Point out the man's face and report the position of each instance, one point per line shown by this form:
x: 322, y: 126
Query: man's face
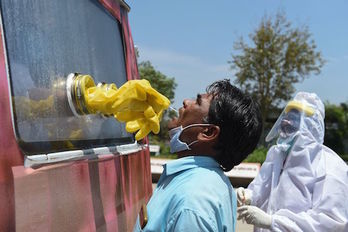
x: 192, y: 112
x: 290, y: 123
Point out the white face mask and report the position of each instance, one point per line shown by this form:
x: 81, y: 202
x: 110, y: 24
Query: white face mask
x: 176, y: 145
x: 285, y: 143
x: 289, y: 129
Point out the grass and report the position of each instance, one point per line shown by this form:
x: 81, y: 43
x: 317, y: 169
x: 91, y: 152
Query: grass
x: 258, y: 156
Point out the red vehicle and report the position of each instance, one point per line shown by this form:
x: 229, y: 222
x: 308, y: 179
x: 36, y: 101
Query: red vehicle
x: 60, y: 171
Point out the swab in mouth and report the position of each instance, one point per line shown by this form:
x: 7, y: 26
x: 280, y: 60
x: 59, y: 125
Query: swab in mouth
x: 173, y: 109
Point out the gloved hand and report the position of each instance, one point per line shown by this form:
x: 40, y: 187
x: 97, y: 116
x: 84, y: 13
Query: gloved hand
x: 243, y: 196
x: 255, y: 216
x: 143, y: 122
x: 136, y: 103
x: 140, y: 106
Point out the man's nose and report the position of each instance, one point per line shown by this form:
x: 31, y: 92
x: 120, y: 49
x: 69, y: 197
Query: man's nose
x: 186, y: 102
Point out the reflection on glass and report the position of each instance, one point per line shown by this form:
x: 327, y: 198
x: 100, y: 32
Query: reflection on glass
x: 46, y: 42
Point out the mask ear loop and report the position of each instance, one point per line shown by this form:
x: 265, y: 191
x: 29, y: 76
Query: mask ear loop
x: 193, y: 142
x: 197, y: 124
x: 193, y: 125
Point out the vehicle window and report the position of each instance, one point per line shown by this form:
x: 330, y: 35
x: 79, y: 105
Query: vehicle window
x: 43, y: 46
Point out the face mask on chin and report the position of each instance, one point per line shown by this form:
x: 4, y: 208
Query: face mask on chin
x: 176, y: 145
x: 285, y: 143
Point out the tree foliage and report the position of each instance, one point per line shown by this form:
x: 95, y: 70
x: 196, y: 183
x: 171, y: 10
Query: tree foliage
x: 336, y: 127
x: 163, y: 84
x: 279, y: 57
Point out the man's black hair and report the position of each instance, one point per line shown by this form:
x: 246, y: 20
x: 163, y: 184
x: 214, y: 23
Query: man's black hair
x: 239, y: 119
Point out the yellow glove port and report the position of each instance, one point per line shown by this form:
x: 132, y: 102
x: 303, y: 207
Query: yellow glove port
x: 136, y: 103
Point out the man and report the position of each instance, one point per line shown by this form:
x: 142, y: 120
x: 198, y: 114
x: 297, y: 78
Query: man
x: 213, y: 133
x: 302, y: 185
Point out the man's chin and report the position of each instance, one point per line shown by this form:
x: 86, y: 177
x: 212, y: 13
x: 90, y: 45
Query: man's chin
x: 173, y: 123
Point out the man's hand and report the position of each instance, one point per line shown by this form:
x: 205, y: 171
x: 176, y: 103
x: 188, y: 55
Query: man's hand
x: 255, y: 216
x: 243, y: 196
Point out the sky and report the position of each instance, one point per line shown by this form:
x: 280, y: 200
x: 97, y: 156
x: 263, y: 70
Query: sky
x: 192, y: 40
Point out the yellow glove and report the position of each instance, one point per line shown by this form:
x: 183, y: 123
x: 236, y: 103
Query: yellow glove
x: 141, y: 107
x: 143, y: 123
x: 99, y: 99
x: 135, y: 102
x: 31, y: 108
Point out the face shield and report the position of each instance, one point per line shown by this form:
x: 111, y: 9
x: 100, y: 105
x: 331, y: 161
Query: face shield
x: 290, y: 121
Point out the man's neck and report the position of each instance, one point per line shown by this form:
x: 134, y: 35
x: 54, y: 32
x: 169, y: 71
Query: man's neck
x: 192, y: 153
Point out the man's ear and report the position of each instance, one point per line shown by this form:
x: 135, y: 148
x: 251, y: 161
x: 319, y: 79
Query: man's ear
x: 210, y: 133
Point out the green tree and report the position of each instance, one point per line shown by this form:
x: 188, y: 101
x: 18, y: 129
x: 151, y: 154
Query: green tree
x: 279, y: 57
x: 336, y: 126
x: 163, y: 84
x: 166, y: 86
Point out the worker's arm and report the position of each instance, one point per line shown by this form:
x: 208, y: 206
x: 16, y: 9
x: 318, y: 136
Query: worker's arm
x: 329, y: 211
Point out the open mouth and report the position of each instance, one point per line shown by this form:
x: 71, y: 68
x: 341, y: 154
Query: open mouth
x: 176, y: 120
x: 288, y: 127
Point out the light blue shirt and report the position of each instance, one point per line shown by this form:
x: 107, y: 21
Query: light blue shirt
x: 192, y: 194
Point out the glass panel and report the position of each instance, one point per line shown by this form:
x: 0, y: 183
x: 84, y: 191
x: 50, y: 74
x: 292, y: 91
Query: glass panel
x: 46, y: 40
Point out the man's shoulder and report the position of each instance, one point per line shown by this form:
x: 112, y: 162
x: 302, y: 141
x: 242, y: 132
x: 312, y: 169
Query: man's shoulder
x: 205, y: 176
x: 199, y: 194
x: 201, y: 183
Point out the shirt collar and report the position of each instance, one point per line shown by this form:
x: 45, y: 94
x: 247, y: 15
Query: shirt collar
x: 189, y: 162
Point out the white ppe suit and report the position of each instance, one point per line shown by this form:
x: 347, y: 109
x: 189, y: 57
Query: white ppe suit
x: 304, y: 188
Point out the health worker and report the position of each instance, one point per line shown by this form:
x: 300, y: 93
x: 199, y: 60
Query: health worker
x: 302, y: 185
